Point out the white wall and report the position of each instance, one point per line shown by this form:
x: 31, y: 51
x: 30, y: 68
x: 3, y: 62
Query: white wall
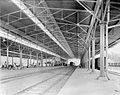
x: 76, y: 61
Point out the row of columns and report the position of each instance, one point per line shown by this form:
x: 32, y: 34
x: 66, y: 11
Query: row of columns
x: 91, y: 55
x: 29, y: 58
x: 20, y: 50
x: 37, y: 58
x: 103, y: 48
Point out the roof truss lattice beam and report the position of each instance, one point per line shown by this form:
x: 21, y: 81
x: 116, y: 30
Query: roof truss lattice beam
x: 96, y: 10
x: 14, y: 38
x: 26, y: 10
x: 87, y: 8
x: 92, y: 1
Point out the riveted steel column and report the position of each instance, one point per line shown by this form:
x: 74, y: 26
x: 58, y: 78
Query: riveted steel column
x: 102, y: 31
x: 7, y: 62
x: 93, y: 54
x: 37, y: 59
x: 46, y: 59
x: 12, y: 60
x: 30, y: 57
x: 49, y: 62
x: 108, y: 18
x: 41, y: 59
x: 21, y: 58
x: 28, y: 62
x: 89, y: 63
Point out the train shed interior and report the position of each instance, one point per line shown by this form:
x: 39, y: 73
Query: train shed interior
x: 59, y: 47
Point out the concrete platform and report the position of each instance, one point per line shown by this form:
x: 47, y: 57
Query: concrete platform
x: 34, y: 81
x: 82, y: 82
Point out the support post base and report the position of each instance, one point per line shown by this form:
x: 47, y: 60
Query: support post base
x: 105, y: 77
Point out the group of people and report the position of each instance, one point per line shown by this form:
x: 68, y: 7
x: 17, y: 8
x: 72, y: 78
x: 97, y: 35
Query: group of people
x: 16, y: 66
x: 10, y: 66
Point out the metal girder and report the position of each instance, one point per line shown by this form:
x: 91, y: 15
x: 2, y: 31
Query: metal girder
x: 88, y: 8
x: 6, y: 34
x: 31, y: 34
x: 59, y: 9
x: 113, y: 26
x: 83, y: 25
x: 77, y: 10
x: 114, y: 20
x: 19, y: 53
x: 81, y: 38
x: 68, y: 15
x: 11, y: 28
x: 84, y: 19
x: 96, y: 9
x: 85, y: 6
x: 115, y: 7
x: 25, y: 9
x: 113, y: 2
x: 105, y: 10
x: 83, y: 30
x: 81, y: 44
x: 91, y: 1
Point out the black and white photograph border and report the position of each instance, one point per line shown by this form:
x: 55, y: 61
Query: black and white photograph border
x: 59, y: 47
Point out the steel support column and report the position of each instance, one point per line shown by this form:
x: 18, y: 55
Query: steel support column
x: 50, y: 62
x: 102, y: 32
x: 54, y: 61
x: 41, y: 59
x: 46, y: 59
x: 21, y: 58
x: 93, y: 54
x: 30, y: 57
x: 37, y: 59
x: 108, y: 13
x: 89, y: 62
x: 28, y: 62
x: 108, y: 18
x: 12, y: 60
x: 7, y: 61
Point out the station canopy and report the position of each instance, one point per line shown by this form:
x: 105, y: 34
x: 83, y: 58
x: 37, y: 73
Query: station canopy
x: 61, y: 28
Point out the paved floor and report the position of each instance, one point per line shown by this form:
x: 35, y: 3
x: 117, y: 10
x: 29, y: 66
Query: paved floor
x: 82, y: 82
x: 8, y: 73
x: 34, y: 81
x: 51, y: 80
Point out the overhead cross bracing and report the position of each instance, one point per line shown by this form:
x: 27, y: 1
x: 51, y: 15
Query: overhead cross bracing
x: 71, y: 19
x: 56, y: 35
x: 59, y: 19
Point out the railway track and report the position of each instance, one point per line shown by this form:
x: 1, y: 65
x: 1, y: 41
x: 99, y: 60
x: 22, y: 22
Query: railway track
x: 114, y: 73
x: 16, y: 77
x: 51, y: 85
